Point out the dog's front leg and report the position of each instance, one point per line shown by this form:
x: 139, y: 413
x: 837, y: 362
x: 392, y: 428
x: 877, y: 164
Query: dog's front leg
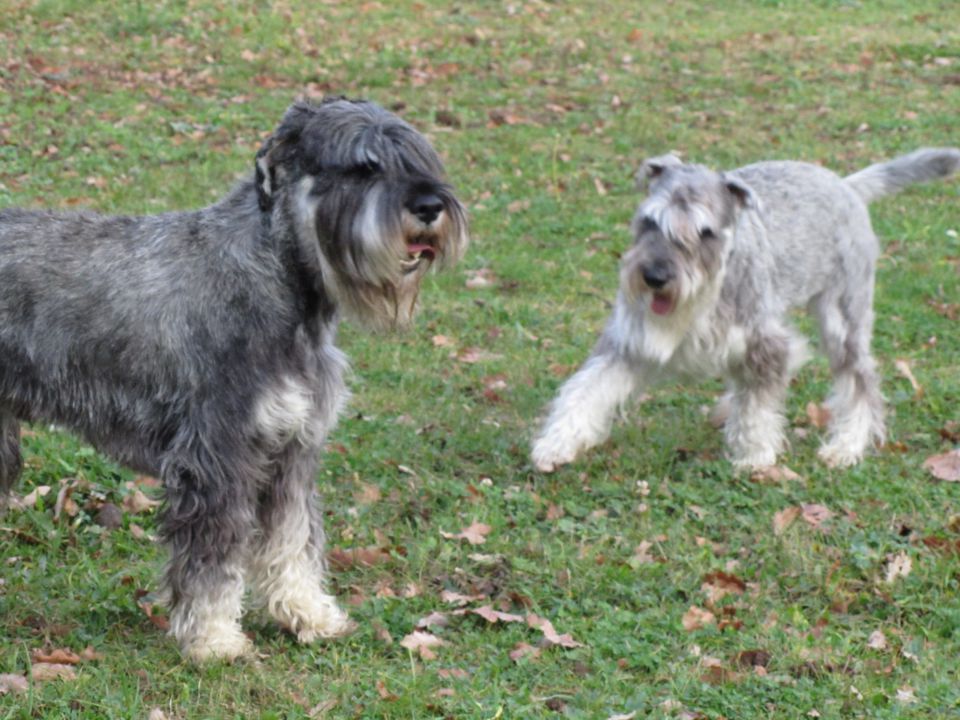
x: 755, y: 426
x: 207, y: 522
x: 581, y: 415
x: 287, y: 563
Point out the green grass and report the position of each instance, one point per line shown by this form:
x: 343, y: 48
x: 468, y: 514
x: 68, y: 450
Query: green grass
x: 138, y: 107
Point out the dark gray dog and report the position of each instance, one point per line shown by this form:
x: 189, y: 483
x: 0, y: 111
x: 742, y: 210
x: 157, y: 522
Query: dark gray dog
x: 718, y: 261
x: 199, y: 347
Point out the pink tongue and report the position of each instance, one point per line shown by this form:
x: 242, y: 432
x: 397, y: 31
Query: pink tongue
x: 423, y: 249
x: 661, y: 304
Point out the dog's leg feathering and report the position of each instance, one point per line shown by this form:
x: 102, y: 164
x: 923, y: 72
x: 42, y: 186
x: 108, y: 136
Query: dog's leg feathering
x: 207, y: 522
x: 287, y: 565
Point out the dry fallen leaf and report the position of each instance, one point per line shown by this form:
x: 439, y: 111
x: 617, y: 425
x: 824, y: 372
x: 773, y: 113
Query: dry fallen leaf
x: 10, y: 683
x: 482, y: 278
x: 52, y: 671
x: 60, y: 656
x: 491, y: 615
x: 522, y: 650
x: 455, y: 598
x: 877, y: 640
x: 641, y: 555
x: 773, y: 473
x: 818, y: 414
x: 717, y: 585
x: 550, y: 633
x: 422, y: 642
x: 906, y: 695
x: 443, y: 341
x: 815, y: 514
x: 475, y: 534
x: 898, y: 566
x: 697, y: 618
x: 345, y: 558
x: 903, y: 367
x: 434, y: 619
x: 784, y: 519
x: 137, y: 502
x: 945, y: 466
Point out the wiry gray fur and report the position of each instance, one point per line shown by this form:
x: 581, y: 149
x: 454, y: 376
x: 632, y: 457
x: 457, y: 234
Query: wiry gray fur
x: 199, y: 347
x: 717, y: 262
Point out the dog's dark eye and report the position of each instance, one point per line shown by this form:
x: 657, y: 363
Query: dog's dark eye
x: 707, y: 234
x: 648, y: 225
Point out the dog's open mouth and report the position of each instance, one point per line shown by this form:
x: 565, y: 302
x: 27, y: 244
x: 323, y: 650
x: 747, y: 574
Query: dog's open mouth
x: 661, y: 304
x: 417, y: 252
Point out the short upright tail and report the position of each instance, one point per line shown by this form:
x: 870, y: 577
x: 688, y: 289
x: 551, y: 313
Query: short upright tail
x: 894, y: 175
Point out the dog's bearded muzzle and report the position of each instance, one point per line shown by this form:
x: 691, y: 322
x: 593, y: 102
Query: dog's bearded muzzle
x: 650, y: 280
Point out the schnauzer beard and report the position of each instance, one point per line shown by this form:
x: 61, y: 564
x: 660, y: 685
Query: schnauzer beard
x: 694, y: 292
x: 368, y: 280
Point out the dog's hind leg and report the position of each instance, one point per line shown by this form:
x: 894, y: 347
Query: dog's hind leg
x: 287, y: 567
x: 11, y: 462
x: 855, y: 402
x: 207, y: 523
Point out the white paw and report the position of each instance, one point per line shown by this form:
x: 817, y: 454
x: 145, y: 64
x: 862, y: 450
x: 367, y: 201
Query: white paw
x: 224, y: 644
x: 548, y: 455
x: 755, y: 460
x: 836, y: 454
x: 314, y: 617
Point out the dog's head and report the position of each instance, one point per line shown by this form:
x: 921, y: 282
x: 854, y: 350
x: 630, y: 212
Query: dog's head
x: 366, y: 197
x: 682, y: 232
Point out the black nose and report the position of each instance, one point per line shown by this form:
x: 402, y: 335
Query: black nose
x: 426, y: 207
x: 657, y: 275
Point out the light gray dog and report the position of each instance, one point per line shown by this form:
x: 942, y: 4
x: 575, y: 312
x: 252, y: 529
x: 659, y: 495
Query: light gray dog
x: 717, y: 262
x: 199, y: 347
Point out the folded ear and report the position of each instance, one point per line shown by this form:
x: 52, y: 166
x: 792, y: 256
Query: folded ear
x: 742, y: 193
x: 654, y: 167
x: 277, y: 150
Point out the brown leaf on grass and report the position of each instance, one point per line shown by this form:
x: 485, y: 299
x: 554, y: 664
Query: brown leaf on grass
x: 10, y: 683
x: 773, y: 474
x: 434, y: 619
x: 549, y: 632
x: 717, y: 585
x: 903, y: 367
x: 455, y: 598
x: 782, y: 519
x: 42, y: 671
x: 60, y: 656
x: 753, y: 658
x: 475, y: 534
x: 442, y: 341
x: 480, y: 279
x: 422, y: 643
x: 697, y: 618
x: 641, y: 555
x: 818, y: 414
x: 624, y: 716
x: 66, y: 504
x: 368, y: 494
x: 30, y: 499
x: 951, y: 311
x: 815, y: 515
x: 137, y: 502
x: 345, y: 558
x: 158, y: 620
x: 456, y: 673
x: 473, y: 355
x: 898, y: 565
x: 945, y: 466
x: 877, y: 640
x: 382, y: 691
x: 522, y: 650
x: 492, y: 616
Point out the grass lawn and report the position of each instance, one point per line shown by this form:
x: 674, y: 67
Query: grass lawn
x: 683, y: 589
